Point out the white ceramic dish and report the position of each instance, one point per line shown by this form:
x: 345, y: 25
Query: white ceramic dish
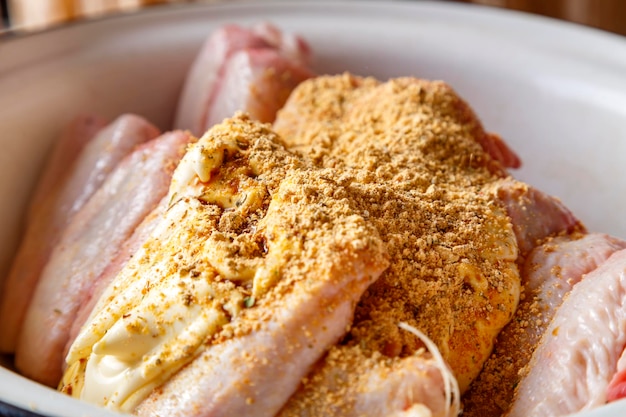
x: 555, y: 91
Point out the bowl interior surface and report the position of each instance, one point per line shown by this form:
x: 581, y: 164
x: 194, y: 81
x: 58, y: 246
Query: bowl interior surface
x: 556, y: 92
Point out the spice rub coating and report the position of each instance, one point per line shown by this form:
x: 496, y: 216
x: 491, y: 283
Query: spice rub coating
x: 416, y: 150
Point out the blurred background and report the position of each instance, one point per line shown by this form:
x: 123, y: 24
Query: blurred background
x: 609, y: 15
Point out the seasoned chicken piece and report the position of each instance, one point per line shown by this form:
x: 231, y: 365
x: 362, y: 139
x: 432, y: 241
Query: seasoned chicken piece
x: 253, y: 272
x: 50, y: 214
x: 89, y: 243
x: 578, y: 354
x: 422, y: 167
x: 362, y: 386
x: 241, y: 69
x: 257, y: 76
x: 549, y: 273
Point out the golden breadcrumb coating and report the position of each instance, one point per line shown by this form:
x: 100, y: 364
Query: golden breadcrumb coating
x: 421, y: 171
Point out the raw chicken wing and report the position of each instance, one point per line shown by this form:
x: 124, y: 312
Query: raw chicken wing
x: 577, y: 356
x: 250, y: 276
x: 89, y: 243
x: 263, y: 55
x: 548, y: 275
x: 52, y: 212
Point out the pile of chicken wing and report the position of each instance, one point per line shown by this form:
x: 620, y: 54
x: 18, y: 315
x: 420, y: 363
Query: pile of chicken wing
x: 309, y: 245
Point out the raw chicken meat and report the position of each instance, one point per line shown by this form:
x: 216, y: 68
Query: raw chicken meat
x: 534, y: 214
x: 548, y: 274
x: 499, y: 150
x: 251, y: 275
x: 53, y: 209
x: 617, y: 386
x: 257, y: 81
x: 244, y: 59
x: 89, y: 243
x: 577, y: 356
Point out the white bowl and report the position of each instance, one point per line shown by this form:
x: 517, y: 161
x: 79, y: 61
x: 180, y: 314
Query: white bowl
x: 555, y: 91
